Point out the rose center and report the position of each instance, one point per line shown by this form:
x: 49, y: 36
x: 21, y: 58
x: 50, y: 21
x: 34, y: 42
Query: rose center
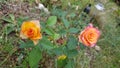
x: 91, y: 37
x: 30, y: 32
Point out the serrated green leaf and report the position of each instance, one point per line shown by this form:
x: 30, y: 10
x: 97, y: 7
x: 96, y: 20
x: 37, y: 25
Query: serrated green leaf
x: 58, y: 50
x: 69, y: 64
x: 46, y: 44
x: 62, y: 32
x: 81, y: 46
x: 35, y: 56
x: 26, y: 44
x: 43, y: 25
x: 58, y: 12
x: 65, y: 22
x: 72, y: 43
x: 72, y: 53
x: 51, y: 21
x: 49, y: 31
x: 73, y: 30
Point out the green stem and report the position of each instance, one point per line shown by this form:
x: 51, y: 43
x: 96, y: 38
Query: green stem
x: 55, y: 63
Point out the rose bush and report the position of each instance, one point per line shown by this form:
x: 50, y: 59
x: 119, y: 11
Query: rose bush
x: 58, y: 41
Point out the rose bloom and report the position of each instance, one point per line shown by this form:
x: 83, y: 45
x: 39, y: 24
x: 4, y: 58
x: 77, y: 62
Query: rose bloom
x: 31, y: 30
x: 89, y: 36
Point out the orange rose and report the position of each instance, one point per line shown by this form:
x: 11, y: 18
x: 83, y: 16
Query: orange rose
x: 89, y: 36
x: 31, y: 30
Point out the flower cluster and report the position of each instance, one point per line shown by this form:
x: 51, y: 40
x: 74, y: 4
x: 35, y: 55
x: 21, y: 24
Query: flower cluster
x: 32, y: 30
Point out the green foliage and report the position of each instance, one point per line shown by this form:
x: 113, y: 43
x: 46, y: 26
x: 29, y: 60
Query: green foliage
x: 61, y: 63
x: 10, y: 19
x: 73, y: 30
x: 27, y: 44
x: 66, y: 22
x: 70, y: 64
x: 46, y: 44
x: 72, y: 53
x: 35, y: 56
x: 58, y: 50
x: 51, y: 21
x: 9, y: 28
x: 49, y: 31
x: 72, y: 43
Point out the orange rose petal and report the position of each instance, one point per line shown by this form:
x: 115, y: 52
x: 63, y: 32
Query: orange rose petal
x: 84, y: 38
x: 23, y: 36
x: 37, y: 23
x: 38, y: 37
x: 85, y: 42
x: 91, y: 36
x: 90, y: 39
x: 35, y: 42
